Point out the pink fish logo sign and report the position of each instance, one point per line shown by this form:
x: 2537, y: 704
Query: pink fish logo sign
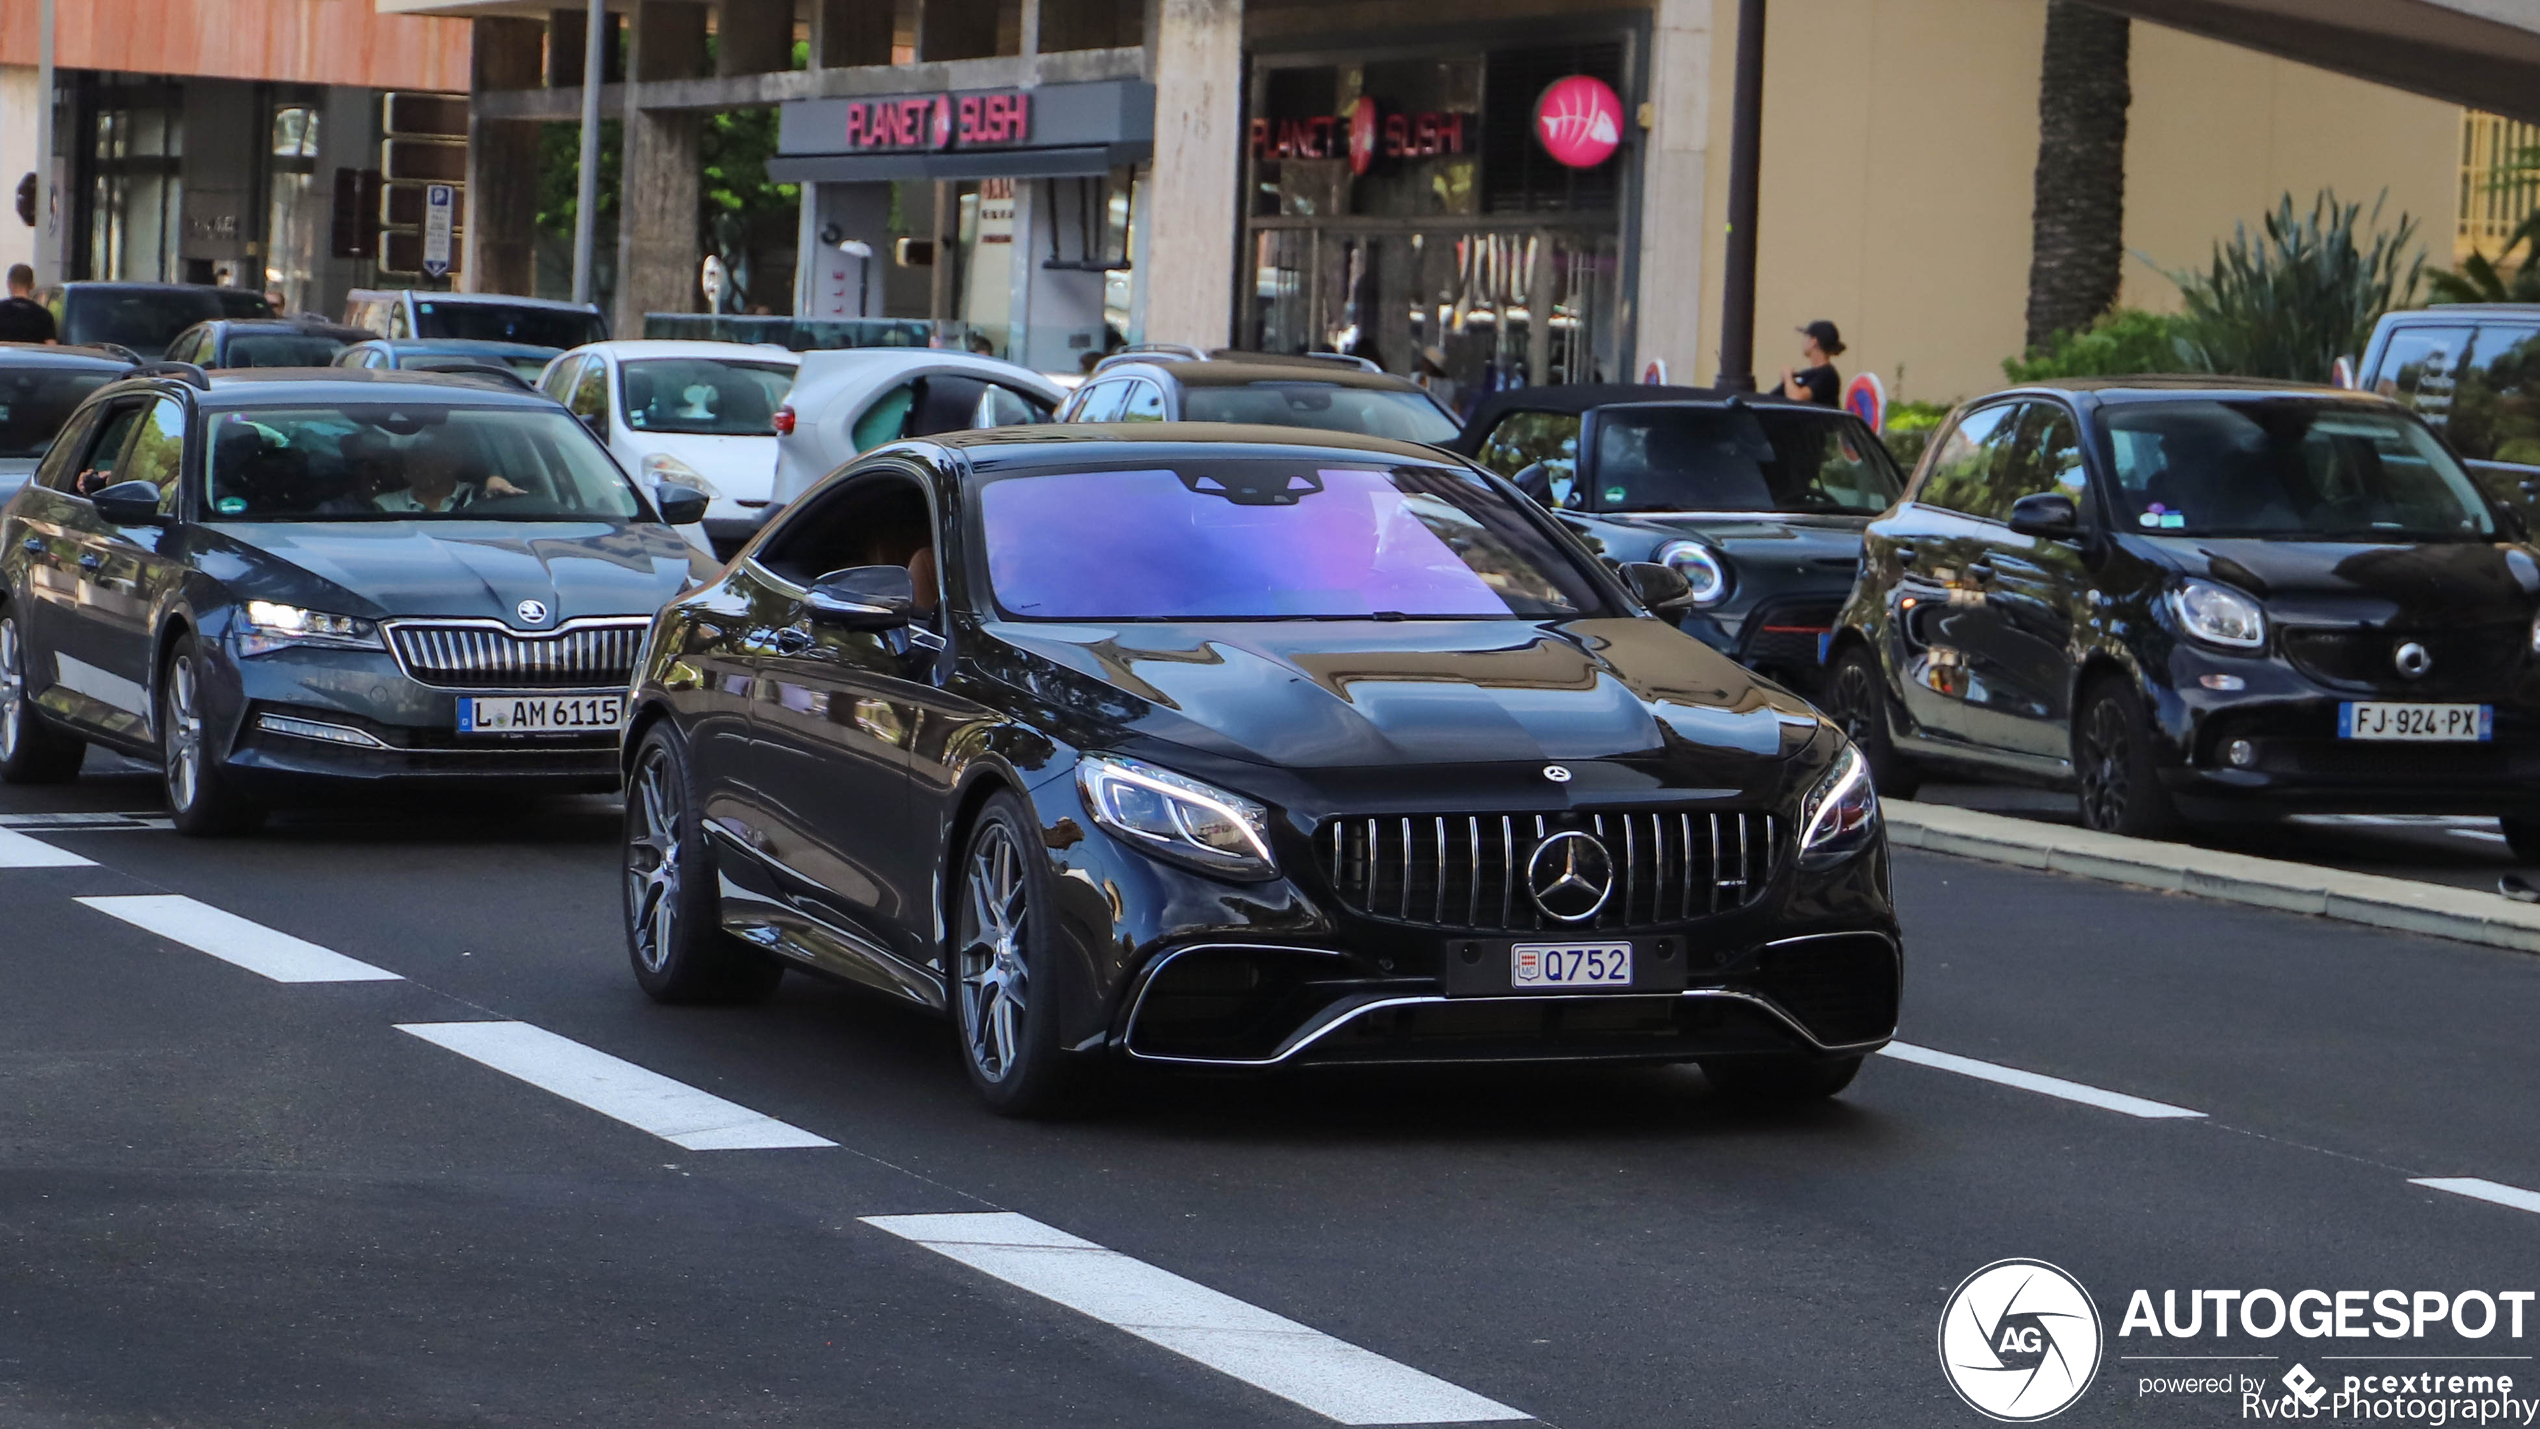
x: 1580, y: 121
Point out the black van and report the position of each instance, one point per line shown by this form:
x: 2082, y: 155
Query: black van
x: 2193, y: 597
x: 2472, y: 371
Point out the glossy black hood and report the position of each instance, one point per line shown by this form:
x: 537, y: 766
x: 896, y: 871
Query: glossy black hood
x: 1392, y: 694
x: 2415, y: 584
x: 451, y: 568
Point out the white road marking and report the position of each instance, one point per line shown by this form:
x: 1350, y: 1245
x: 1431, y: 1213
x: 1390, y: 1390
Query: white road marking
x: 1298, y: 1363
x: 84, y: 823
x: 613, y: 1087
x: 2034, y: 1082
x: 19, y: 851
x: 2476, y: 1189
x: 232, y: 939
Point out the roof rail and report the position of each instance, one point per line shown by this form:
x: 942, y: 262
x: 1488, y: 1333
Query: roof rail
x: 192, y: 375
x: 1364, y: 364
x: 1296, y: 359
x: 1149, y: 351
x: 115, y: 349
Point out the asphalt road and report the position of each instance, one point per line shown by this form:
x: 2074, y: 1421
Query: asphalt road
x: 231, y: 1200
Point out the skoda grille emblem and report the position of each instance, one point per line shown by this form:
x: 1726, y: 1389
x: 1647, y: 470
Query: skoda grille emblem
x: 1556, y: 774
x: 1570, y: 876
x: 2413, y: 660
x: 532, y: 612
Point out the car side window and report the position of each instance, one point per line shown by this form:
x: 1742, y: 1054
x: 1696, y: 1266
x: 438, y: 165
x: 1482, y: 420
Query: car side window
x: 1102, y: 402
x: 1145, y: 404
x: 877, y: 518
x: 2420, y: 367
x: 1002, y: 406
x: 105, y: 455
x: 558, y: 381
x: 65, y: 458
x: 2043, y: 454
x: 1960, y: 472
x: 397, y: 324
x: 886, y: 420
x: 1524, y: 439
x: 2495, y: 409
x: 591, y: 389
x: 157, y: 453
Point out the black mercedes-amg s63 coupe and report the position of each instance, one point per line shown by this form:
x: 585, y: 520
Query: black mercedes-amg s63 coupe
x: 1242, y: 747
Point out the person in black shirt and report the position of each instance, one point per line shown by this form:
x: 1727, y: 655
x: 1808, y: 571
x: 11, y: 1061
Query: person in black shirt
x: 1817, y: 382
x: 22, y: 318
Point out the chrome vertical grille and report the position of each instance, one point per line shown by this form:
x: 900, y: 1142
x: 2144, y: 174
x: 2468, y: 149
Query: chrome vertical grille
x: 1468, y: 871
x: 582, y: 655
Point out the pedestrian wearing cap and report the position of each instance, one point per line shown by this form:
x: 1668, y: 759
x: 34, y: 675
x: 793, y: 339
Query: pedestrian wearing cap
x: 1817, y: 382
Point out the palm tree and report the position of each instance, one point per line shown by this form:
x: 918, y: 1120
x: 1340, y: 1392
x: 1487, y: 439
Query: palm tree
x: 2079, y: 216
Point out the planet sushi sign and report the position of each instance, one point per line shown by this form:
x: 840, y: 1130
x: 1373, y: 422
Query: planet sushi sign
x: 1580, y: 121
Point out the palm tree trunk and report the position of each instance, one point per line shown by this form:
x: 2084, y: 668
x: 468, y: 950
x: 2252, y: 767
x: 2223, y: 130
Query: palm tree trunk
x: 2079, y: 219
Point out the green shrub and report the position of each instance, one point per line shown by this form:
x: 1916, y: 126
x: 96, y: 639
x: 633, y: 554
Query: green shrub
x: 2289, y: 301
x: 1909, y: 429
x: 2121, y: 343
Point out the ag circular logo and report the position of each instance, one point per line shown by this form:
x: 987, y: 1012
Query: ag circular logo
x: 2019, y: 1341
x: 1570, y: 876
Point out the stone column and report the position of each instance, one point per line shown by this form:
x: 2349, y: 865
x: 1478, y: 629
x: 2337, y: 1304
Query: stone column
x: 1674, y: 223
x: 1188, y: 270
x: 754, y: 36
x: 658, y: 246
x: 500, y: 209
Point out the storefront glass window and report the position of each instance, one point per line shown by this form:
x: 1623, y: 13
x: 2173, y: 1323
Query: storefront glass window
x: 136, y: 194
x: 296, y: 214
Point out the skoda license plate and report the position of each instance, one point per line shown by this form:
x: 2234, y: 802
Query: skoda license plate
x: 2364, y: 719
x: 539, y: 714
x: 1570, y: 967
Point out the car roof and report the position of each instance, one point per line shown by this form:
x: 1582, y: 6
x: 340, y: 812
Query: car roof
x: 45, y: 354
x: 1576, y: 398
x: 882, y: 364
x: 2169, y: 385
x: 1236, y: 372
x: 454, y: 345
x: 319, y: 326
x: 251, y: 387
x: 627, y: 348
x: 1004, y: 448
x: 112, y: 285
x: 2454, y: 312
x: 508, y: 300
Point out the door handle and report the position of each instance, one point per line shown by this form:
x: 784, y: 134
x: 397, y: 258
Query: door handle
x: 792, y: 640
x: 1904, y: 552
x: 91, y: 561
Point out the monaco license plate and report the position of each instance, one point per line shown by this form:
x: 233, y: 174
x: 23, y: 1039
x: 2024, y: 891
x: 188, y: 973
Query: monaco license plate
x: 540, y: 714
x: 1570, y: 967
x: 2366, y: 719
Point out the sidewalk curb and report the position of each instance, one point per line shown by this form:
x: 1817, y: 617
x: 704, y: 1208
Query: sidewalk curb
x: 2402, y: 905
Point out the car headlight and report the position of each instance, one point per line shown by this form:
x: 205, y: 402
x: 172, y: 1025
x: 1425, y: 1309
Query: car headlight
x: 271, y: 625
x: 2535, y: 632
x: 1177, y: 818
x: 661, y: 467
x: 1841, y: 815
x: 2219, y: 615
x: 1700, y: 566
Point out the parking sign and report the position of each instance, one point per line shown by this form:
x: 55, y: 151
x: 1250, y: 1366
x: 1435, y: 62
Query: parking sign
x: 439, y: 200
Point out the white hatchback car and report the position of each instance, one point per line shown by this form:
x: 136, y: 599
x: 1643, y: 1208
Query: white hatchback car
x: 854, y: 400
x: 696, y: 414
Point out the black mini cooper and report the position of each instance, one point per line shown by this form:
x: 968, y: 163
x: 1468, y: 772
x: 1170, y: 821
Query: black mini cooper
x: 2196, y: 597
x: 1241, y: 747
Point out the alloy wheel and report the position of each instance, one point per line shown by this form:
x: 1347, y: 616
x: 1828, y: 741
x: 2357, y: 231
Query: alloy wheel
x: 652, y: 860
x: 184, y: 735
x: 995, y: 984
x: 2106, y: 766
x: 1855, y: 704
x: 12, y: 689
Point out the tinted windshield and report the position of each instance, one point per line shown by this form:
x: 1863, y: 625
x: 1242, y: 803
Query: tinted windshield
x: 404, y: 463
x: 1741, y: 458
x: 143, y: 319
x: 2285, y: 468
x: 704, y: 395
x: 280, y: 349
x: 35, y: 401
x: 501, y: 322
x: 1370, y: 411
x: 1267, y: 540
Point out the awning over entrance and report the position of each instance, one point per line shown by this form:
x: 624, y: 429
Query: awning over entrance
x: 2480, y: 53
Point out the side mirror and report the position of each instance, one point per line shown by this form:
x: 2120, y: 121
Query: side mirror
x: 1660, y: 587
x: 680, y: 505
x: 2046, y: 513
x: 862, y: 598
x: 129, y: 503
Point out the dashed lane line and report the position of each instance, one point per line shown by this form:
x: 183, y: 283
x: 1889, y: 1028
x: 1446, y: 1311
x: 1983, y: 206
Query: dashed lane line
x: 85, y: 823
x: 240, y: 941
x: 2035, y: 1082
x: 1298, y: 1363
x: 2476, y: 1189
x: 19, y: 851
x: 613, y: 1087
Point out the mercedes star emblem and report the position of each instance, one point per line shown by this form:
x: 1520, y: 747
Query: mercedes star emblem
x: 2413, y: 660
x: 1556, y: 774
x: 531, y: 612
x: 1570, y: 876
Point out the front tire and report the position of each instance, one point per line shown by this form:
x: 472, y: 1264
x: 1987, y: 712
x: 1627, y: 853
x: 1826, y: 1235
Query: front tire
x: 1856, y: 696
x: 1779, y: 1081
x: 1005, y: 968
x: 674, y: 927
x: 203, y: 801
x: 2120, y: 786
x: 31, y: 751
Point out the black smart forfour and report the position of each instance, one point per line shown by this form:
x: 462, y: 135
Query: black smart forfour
x: 1241, y: 747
